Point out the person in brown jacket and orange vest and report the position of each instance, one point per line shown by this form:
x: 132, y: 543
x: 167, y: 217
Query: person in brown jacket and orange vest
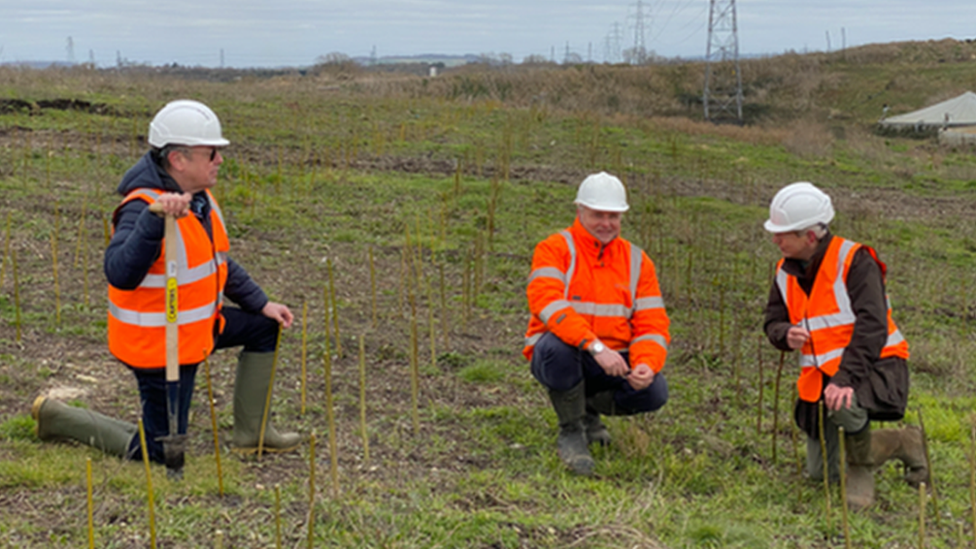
x: 828, y: 301
x: 598, y: 333
x: 177, y: 174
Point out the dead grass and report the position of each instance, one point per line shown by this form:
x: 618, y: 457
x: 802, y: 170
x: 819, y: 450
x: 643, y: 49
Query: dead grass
x: 808, y: 139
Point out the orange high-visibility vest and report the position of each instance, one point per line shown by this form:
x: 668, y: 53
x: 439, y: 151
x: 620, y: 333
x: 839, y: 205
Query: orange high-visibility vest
x: 827, y: 314
x: 137, y: 318
x: 581, y: 291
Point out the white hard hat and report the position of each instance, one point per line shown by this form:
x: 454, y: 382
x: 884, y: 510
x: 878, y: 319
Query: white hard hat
x: 186, y: 122
x: 798, y: 206
x: 603, y: 192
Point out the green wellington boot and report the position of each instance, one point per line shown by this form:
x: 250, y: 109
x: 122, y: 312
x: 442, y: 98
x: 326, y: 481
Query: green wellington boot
x: 570, y: 408
x: 860, y: 470
x: 251, y: 385
x: 58, y: 421
x: 596, y: 431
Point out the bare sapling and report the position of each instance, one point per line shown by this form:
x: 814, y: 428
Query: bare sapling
x: 362, y: 397
x: 267, y: 399
x: 106, y: 233
x: 779, y: 374
x: 329, y: 408
x: 213, y: 425
x: 479, y: 267
x: 48, y: 153
x: 759, y: 405
x: 277, y: 515
x: 736, y: 359
x: 133, y: 136
x: 972, y: 474
x: 414, y: 364
x: 795, y: 435
x: 311, y: 489
x: 17, y: 318
x: 823, y: 455
x: 721, y: 325
x: 304, y: 380
x: 54, y: 268
x: 493, y: 198
x: 842, y: 469
x: 466, y: 291
x: 411, y: 284
x: 921, y: 515
x: 84, y: 270
x: 91, y: 504
x: 457, y: 178
x: 81, y: 230
x: 335, y: 308
x: 432, y: 326
x: 445, y: 321
x: 278, y: 170
x: 372, y: 287
x: 928, y: 465
x: 149, y: 486
x: 402, y: 286
x: 6, y: 250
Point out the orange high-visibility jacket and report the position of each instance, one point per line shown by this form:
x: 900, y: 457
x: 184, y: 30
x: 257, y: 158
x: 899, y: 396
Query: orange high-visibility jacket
x: 581, y: 290
x: 827, y: 314
x: 137, y: 318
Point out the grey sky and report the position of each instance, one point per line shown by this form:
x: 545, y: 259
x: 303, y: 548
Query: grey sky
x: 295, y: 32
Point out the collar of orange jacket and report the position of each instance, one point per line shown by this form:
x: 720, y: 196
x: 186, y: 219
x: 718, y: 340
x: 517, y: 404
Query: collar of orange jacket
x: 588, y: 243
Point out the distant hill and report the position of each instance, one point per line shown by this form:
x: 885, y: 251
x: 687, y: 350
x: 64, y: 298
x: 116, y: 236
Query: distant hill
x: 425, y: 58
x: 38, y: 64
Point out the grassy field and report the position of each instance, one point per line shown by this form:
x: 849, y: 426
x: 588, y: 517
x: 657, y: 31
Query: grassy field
x: 448, y: 184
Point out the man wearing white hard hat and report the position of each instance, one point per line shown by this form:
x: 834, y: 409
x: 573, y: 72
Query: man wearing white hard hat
x: 177, y: 175
x: 828, y: 301
x: 598, y: 333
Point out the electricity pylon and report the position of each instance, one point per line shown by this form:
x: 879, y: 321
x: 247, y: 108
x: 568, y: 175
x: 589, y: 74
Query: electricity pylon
x: 722, y: 97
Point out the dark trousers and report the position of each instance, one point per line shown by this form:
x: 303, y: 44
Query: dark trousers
x: 256, y: 332
x: 560, y: 367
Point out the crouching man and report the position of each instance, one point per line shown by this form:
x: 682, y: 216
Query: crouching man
x: 598, y: 334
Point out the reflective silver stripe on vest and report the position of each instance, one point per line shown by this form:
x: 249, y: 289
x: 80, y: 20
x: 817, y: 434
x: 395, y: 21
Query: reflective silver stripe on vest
x: 216, y: 209
x: 810, y: 361
x: 781, y: 279
x: 635, y: 272
x: 599, y: 309
x: 829, y: 321
x: 531, y: 341
x: 158, y: 320
x: 845, y: 314
x: 548, y: 272
x: 840, y: 285
x: 645, y: 303
x: 551, y: 309
x: 568, y: 276
x: 894, y: 338
x: 183, y: 276
x: 659, y: 339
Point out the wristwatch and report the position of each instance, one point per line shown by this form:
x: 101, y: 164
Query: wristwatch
x: 597, y: 347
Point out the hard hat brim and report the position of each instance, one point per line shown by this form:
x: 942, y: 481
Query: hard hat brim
x: 620, y: 209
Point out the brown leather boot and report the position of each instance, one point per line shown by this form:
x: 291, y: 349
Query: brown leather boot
x: 904, y: 445
x: 860, y: 470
